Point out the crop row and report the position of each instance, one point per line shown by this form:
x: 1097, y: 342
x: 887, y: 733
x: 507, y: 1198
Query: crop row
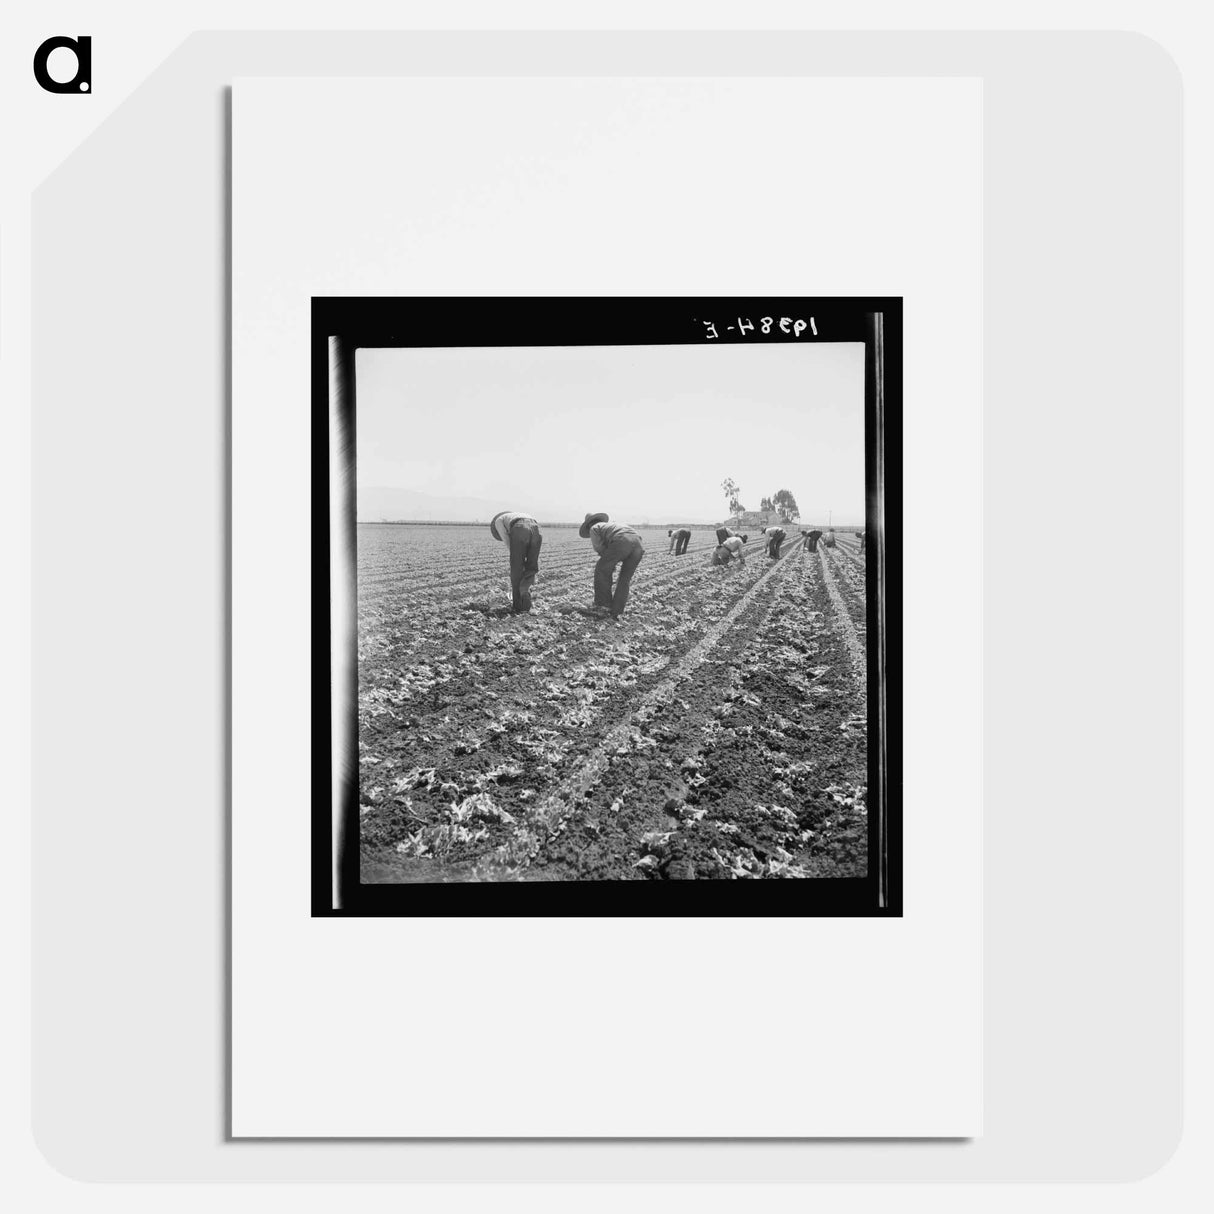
x: 477, y: 699
x: 752, y: 765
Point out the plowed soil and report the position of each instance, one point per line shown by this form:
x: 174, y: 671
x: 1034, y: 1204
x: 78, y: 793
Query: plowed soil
x: 717, y: 733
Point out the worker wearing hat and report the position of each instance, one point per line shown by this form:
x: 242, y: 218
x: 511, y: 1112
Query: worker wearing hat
x: 733, y: 546
x: 775, y: 537
x: 616, y: 544
x: 521, y: 535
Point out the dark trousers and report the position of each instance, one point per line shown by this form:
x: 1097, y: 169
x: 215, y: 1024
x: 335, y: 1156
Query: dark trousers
x: 626, y: 553
x: 525, y: 541
x: 683, y: 538
x: 722, y: 534
x: 773, y: 546
x: 811, y: 542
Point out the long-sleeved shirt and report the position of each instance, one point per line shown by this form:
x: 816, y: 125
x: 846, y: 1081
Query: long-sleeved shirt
x: 675, y: 536
x: 601, y: 534
x: 735, y: 547
x: 505, y: 522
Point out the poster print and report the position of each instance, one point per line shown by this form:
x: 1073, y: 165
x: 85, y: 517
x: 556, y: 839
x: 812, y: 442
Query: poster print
x: 605, y: 606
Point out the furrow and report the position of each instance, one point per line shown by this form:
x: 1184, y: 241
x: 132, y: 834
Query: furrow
x: 552, y: 812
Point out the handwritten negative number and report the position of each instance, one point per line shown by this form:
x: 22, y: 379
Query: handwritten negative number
x: 745, y: 325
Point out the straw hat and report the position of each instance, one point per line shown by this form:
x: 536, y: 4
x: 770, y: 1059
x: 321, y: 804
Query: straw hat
x: 590, y: 520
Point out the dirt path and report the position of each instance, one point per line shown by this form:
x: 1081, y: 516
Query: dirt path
x: 844, y: 616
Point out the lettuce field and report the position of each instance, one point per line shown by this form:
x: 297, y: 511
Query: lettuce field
x: 717, y: 732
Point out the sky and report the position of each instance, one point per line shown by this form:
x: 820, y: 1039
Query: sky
x: 644, y: 433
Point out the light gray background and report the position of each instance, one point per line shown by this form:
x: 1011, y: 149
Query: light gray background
x: 1082, y: 615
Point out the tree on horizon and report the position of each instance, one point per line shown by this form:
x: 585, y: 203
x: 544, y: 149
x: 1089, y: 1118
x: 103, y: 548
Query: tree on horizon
x: 732, y: 495
x: 784, y: 501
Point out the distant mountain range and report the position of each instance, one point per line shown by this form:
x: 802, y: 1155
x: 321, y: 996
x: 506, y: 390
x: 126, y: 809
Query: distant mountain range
x: 377, y: 504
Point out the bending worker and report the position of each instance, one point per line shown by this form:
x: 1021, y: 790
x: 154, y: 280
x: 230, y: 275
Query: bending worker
x: 521, y: 535
x: 725, y: 552
x: 775, y: 537
x: 811, y: 539
x: 679, y: 540
x: 616, y: 544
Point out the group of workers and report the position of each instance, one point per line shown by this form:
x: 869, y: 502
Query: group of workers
x: 619, y: 545
x: 729, y: 544
x: 616, y: 544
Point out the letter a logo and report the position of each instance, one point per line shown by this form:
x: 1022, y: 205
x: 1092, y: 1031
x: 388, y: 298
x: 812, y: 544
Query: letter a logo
x: 82, y: 48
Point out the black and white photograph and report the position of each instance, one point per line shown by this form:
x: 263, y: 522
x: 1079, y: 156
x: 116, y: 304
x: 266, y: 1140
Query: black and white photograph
x: 608, y: 582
